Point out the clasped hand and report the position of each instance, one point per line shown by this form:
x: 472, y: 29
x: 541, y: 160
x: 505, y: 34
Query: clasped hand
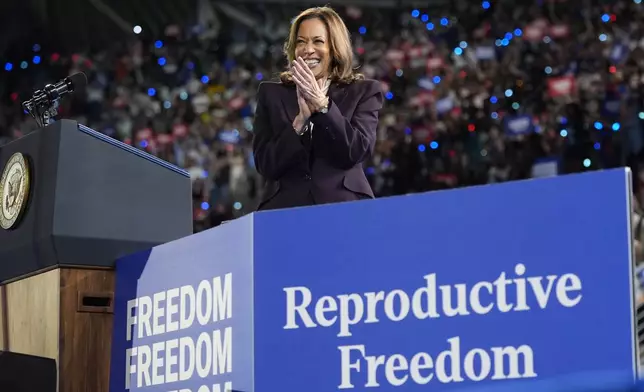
x: 310, y: 97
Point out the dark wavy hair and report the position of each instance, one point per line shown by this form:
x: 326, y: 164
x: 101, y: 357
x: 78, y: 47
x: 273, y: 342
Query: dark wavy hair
x: 341, y: 52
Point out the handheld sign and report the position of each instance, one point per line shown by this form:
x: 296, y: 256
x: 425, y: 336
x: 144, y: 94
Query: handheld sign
x: 507, y: 287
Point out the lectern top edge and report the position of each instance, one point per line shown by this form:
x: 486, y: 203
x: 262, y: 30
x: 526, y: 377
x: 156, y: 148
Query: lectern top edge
x: 132, y: 150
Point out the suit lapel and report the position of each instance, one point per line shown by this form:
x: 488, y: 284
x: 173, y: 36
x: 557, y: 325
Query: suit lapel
x: 289, y: 101
x: 337, y: 93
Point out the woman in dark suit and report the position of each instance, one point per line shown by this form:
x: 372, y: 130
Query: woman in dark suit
x: 315, y: 128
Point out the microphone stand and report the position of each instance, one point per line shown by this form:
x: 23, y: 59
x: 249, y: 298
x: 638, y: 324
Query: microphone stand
x: 43, y: 106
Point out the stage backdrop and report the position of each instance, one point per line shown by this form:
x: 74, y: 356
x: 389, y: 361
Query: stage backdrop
x: 507, y: 287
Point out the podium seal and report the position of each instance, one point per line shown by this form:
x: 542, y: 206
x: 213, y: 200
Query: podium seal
x: 14, y: 190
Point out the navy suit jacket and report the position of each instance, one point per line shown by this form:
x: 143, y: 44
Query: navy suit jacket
x: 322, y: 167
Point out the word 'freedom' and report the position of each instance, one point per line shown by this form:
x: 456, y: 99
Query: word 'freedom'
x: 179, y: 359
x: 432, y: 301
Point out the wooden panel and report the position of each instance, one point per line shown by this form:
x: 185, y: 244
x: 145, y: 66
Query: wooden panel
x: 33, y: 315
x: 65, y: 314
x: 85, y: 329
x: 3, y: 309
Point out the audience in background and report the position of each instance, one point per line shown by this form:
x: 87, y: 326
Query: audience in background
x: 475, y: 94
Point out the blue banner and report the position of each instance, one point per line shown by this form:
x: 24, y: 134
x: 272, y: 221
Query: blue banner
x: 485, y: 52
x: 176, y: 308
x: 518, y: 286
x: 545, y: 167
x: 518, y: 125
x: 618, y: 52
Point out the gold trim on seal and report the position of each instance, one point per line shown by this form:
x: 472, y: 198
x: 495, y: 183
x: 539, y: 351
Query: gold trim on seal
x: 14, y: 190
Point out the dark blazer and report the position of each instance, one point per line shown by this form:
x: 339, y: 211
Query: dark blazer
x: 324, y: 166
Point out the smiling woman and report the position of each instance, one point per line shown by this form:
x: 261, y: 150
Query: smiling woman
x: 317, y: 125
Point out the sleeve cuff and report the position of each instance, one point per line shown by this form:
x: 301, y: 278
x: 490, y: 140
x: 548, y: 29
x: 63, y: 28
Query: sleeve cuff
x: 326, y: 120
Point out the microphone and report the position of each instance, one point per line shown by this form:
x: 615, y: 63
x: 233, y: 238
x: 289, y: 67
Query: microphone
x: 53, y: 92
x: 43, y: 105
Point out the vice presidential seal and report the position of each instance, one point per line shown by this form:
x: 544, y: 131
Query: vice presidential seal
x: 14, y: 190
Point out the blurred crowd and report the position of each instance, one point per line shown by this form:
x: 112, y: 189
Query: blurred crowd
x: 477, y: 92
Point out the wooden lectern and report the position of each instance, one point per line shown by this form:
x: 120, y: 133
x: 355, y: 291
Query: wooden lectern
x: 88, y: 200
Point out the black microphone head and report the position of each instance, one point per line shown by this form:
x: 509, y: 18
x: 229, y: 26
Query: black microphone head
x: 77, y: 81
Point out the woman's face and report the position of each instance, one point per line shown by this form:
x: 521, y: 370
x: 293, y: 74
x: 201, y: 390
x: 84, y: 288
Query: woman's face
x: 312, y: 44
